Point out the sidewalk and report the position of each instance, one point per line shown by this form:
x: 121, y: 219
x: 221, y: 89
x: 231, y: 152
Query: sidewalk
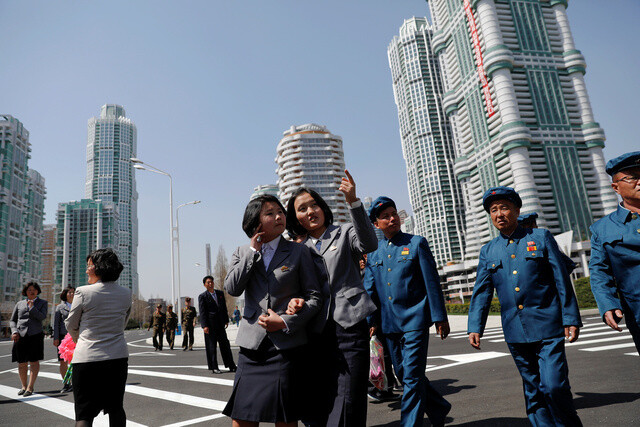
x: 457, y: 322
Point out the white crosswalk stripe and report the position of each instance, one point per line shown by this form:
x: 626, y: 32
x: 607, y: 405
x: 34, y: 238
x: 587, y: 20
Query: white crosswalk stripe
x: 609, y: 347
x: 51, y: 404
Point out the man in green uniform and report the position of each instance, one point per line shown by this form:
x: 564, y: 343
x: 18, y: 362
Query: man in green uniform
x: 158, y: 322
x: 172, y: 325
x: 188, y: 322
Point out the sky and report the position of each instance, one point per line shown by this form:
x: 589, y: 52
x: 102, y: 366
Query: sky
x: 211, y: 86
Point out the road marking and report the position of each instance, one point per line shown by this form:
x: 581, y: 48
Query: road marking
x: 6, y: 355
x: 136, y: 345
x: 488, y: 330
x: 461, y: 359
x: 632, y: 354
x: 609, y: 347
x: 170, y: 366
x: 196, y: 420
x: 194, y: 378
x: 572, y: 344
x: 151, y: 353
x: 57, y: 406
x: 585, y: 334
x: 184, y: 399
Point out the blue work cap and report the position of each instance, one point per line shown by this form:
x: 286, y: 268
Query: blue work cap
x: 501, y: 193
x: 378, y: 205
x: 625, y: 161
x: 527, y: 217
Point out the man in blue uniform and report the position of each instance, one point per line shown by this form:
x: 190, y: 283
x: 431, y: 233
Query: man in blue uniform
x: 538, y: 307
x: 402, y: 279
x: 615, y: 250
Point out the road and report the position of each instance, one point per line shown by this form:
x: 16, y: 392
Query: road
x: 174, y: 388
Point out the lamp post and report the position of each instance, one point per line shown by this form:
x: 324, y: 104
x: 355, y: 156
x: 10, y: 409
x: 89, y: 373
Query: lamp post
x: 195, y: 202
x: 139, y: 164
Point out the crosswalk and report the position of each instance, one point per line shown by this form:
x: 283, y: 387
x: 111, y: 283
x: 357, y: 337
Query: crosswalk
x: 607, y: 339
x: 189, y: 395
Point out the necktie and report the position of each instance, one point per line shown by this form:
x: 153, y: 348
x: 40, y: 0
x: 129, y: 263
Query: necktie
x: 266, y: 249
x: 318, y: 245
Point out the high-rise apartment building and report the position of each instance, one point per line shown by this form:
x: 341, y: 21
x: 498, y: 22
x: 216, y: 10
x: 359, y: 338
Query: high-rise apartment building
x: 427, y: 144
x: 520, y: 113
x: 311, y: 156
x: 32, y: 228
x: 82, y: 227
x: 22, y: 194
x: 264, y: 190
x: 48, y: 261
x: 111, y: 142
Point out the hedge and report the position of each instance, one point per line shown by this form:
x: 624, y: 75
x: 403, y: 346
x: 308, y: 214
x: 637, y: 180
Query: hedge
x: 464, y: 308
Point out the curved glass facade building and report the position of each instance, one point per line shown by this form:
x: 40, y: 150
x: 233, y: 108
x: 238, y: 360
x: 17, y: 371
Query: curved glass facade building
x: 520, y: 113
x: 311, y: 156
x: 111, y: 142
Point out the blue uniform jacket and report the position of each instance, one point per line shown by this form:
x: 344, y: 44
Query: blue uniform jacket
x: 535, y: 292
x: 402, y: 279
x: 615, y: 261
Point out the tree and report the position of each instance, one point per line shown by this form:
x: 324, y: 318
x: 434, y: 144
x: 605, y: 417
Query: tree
x: 219, y: 273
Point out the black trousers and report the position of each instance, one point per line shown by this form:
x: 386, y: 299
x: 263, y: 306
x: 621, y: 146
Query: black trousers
x: 157, y: 338
x: 211, y: 340
x: 187, y: 342
x: 337, y: 363
x: 171, y: 337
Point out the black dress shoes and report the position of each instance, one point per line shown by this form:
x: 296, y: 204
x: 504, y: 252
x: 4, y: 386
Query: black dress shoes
x: 216, y: 371
x: 233, y: 369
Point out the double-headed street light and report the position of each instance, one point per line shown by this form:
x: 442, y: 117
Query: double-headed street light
x: 139, y: 164
x: 195, y: 202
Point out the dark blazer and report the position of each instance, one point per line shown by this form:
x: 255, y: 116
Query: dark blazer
x: 213, y: 316
x: 59, y: 330
x: 346, y: 300
x: 291, y: 274
x: 27, y: 321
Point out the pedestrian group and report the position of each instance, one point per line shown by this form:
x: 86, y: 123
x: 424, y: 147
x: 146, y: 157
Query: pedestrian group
x: 309, y: 311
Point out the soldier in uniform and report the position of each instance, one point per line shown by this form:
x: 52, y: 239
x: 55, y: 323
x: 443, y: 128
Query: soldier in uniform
x: 172, y: 325
x: 402, y: 278
x: 188, y: 322
x: 538, y: 308
x: 615, y: 250
x: 158, y: 322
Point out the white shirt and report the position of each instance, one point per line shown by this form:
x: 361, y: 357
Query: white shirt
x: 268, y: 250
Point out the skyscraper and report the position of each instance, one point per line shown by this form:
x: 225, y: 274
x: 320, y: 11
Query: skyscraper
x: 111, y: 142
x: 311, y: 156
x: 427, y: 145
x: 520, y: 113
x: 265, y: 190
x: 82, y: 227
x: 21, y: 210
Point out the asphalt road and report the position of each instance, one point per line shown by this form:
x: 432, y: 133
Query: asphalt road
x: 175, y: 388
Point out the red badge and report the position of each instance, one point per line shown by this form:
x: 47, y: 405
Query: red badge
x: 531, y: 243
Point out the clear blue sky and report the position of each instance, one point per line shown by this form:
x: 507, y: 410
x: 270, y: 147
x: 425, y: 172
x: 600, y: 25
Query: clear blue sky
x: 211, y: 86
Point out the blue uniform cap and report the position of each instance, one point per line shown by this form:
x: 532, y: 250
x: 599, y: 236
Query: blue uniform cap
x: 378, y: 205
x: 625, y: 161
x: 527, y: 217
x: 501, y: 193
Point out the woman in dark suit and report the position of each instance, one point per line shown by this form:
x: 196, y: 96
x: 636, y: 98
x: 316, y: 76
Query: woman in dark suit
x: 96, y: 323
x: 270, y: 271
x: 341, y: 343
x: 60, y: 331
x: 28, y: 336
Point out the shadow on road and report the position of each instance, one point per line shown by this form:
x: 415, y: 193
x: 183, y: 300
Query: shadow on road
x: 445, y: 386
x: 595, y: 400
x: 492, y: 422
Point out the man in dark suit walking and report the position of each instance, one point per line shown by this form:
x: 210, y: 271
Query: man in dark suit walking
x: 214, y: 319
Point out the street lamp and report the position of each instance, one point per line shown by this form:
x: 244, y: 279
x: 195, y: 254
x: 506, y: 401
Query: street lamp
x: 195, y: 202
x: 139, y: 164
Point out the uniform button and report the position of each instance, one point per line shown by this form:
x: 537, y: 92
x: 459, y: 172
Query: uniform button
x: 513, y: 256
x: 520, y: 306
x: 638, y: 230
x: 517, y: 289
x: 388, y: 269
x: 493, y: 265
x: 533, y: 253
x: 388, y: 243
x: 388, y: 256
x: 388, y: 284
x: 510, y: 241
x: 515, y: 271
x: 634, y: 216
x: 389, y: 298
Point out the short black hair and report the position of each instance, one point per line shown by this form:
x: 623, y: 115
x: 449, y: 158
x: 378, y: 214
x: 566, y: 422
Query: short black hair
x: 28, y: 285
x: 293, y: 225
x: 251, y: 219
x: 204, y: 279
x: 65, y: 291
x: 108, y: 266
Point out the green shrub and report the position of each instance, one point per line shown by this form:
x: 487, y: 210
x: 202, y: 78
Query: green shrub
x: 464, y: 308
x: 583, y: 293
x: 132, y: 324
